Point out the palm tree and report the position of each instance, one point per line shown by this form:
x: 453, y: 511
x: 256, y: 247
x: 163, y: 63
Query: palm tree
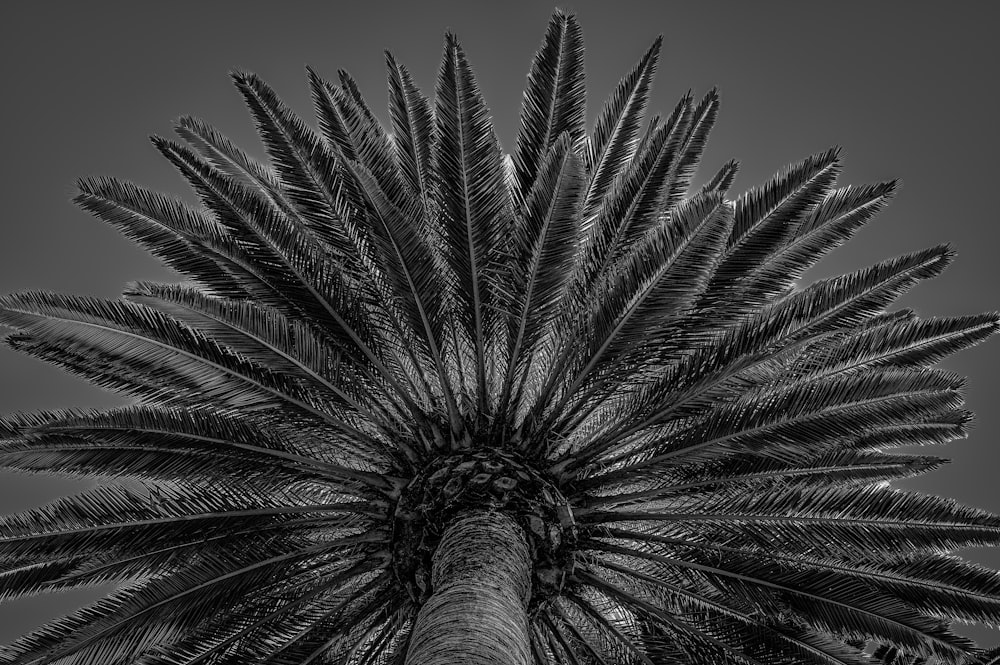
x: 423, y: 403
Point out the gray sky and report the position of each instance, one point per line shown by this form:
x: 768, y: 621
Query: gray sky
x: 908, y: 89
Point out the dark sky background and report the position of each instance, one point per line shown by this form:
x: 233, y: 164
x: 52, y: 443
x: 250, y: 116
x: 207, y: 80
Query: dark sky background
x: 909, y: 90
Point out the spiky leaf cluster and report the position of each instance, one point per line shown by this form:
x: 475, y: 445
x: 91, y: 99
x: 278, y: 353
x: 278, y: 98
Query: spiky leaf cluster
x: 377, y: 298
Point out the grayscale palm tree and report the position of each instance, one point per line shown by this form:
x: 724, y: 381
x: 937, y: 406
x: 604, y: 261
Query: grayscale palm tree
x: 419, y: 402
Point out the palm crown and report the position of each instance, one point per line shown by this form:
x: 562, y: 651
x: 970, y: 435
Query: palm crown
x: 420, y: 402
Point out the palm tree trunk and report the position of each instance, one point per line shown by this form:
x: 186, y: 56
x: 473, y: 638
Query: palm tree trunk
x: 477, y: 614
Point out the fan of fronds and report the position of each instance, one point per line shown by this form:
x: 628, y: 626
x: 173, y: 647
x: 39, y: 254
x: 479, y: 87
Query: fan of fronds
x: 375, y: 298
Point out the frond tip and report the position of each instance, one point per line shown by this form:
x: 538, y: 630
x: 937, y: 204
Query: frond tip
x: 605, y: 398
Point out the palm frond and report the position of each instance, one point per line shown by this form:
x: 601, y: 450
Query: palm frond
x: 472, y: 195
x: 767, y: 215
x: 413, y: 128
x: 554, y: 101
x: 543, y: 250
x: 609, y: 147
x: 69, y: 438
x: 305, y: 169
x: 186, y: 240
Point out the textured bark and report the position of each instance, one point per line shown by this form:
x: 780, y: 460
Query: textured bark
x: 477, y: 614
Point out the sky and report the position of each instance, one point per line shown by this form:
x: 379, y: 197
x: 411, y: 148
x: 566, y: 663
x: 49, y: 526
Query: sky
x: 909, y: 90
